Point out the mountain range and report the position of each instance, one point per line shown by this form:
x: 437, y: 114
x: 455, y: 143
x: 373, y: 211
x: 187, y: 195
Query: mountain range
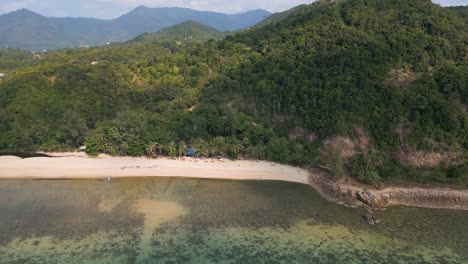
x: 28, y: 30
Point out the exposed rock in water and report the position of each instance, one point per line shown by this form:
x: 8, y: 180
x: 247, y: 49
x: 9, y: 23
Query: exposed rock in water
x: 373, y: 201
x: 368, y: 209
x: 370, y: 219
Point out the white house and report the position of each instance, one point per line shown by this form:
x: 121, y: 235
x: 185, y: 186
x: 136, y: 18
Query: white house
x: 2, y: 75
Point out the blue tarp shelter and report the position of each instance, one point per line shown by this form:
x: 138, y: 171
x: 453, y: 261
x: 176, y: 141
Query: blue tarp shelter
x: 191, y: 152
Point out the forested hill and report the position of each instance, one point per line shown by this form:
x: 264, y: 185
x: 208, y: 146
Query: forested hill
x: 13, y: 59
x: 372, y: 88
x: 462, y: 11
x: 190, y: 31
x: 278, y: 17
x: 28, y: 30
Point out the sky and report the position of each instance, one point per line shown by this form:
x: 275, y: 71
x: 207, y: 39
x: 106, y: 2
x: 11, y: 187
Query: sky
x: 108, y: 9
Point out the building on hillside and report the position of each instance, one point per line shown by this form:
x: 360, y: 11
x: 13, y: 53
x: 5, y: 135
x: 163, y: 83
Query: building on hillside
x: 2, y: 75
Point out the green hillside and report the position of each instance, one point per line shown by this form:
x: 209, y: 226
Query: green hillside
x: 462, y: 11
x: 377, y: 89
x: 13, y: 59
x: 278, y: 17
x: 190, y: 31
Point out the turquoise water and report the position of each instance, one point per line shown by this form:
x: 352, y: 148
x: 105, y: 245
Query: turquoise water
x: 212, y: 221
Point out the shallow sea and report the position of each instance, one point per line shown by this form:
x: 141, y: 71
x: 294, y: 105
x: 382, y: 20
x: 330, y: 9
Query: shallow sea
x: 162, y: 220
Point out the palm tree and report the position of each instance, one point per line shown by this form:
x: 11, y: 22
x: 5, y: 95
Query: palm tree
x: 181, y: 148
x: 212, y: 150
x: 154, y: 148
x: 219, y: 146
x: 234, y: 147
x: 246, y: 142
x: 150, y: 149
x: 171, y: 149
x: 201, y: 147
x: 256, y: 152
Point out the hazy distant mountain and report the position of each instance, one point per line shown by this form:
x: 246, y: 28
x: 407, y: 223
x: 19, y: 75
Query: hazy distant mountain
x: 28, y: 30
x: 190, y: 31
x: 147, y: 19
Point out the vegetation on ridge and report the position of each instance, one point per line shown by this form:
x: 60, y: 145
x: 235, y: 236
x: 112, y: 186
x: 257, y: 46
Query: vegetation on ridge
x: 190, y: 31
x: 462, y: 11
x: 13, y: 59
x: 373, y: 88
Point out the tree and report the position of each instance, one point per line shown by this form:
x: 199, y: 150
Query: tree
x: 181, y: 148
x: 257, y: 152
x: 171, y: 149
x: 218, y: 146
x: 332, y: 158
x: 201, y: 147
x: 364, y: 167
x: 234, y: 147
x: 155, y: 148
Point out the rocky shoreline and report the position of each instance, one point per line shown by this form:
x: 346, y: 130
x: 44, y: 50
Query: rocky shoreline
x: 345, y: 193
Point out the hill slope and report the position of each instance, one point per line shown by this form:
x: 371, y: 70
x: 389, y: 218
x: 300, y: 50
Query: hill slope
x: 395, y: 69
x: 377, y: 89
x: 278, y: 17
x: 28, y: 30
x: 190, y: 31
x: 13, y: 59
x: 462, y: 11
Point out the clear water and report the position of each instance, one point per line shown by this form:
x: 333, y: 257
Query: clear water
x: 212, y: 221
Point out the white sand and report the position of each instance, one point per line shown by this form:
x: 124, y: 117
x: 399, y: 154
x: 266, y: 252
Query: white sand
x: 75, y: 166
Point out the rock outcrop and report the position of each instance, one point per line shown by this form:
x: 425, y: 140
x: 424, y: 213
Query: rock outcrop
x: 370, y: 219
x: 374, y: 201
x: 352, y: 195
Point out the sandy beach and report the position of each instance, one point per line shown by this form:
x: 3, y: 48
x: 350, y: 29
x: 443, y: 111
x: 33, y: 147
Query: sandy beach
x: 80, y: 166
x: 70, y: 165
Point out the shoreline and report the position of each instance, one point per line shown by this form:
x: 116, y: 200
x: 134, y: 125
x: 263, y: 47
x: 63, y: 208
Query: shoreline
x: 345, y: 193
x: 68, y: 166
x: 79, y: 166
